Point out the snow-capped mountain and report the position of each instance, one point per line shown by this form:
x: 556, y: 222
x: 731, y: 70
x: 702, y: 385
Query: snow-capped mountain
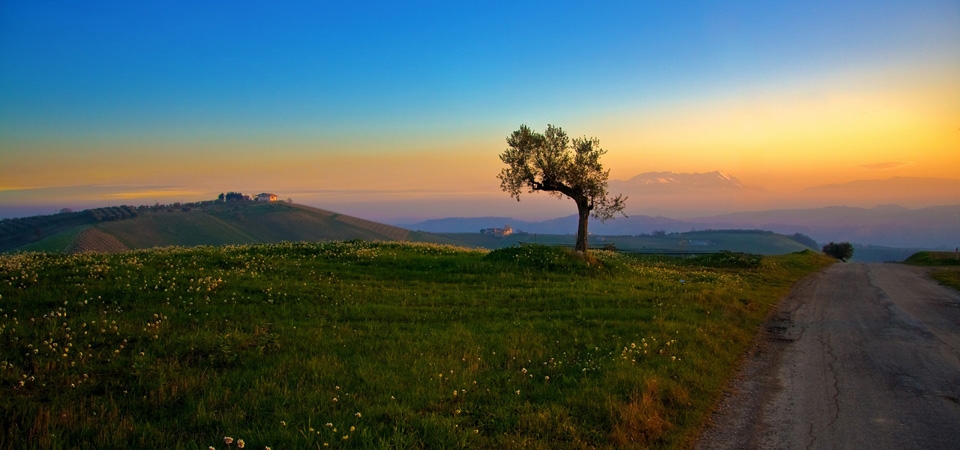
x: 679, y: 182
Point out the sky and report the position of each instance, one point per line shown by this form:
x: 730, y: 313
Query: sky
x: 398, y: 110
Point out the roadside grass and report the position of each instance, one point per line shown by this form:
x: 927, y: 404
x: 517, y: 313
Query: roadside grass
x: 927, y: 258
x: 948, y: 266
x: 948, y: 277
x: 372, y: 345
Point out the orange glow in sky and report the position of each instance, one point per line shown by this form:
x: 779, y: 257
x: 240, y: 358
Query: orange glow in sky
x: 409, y: 123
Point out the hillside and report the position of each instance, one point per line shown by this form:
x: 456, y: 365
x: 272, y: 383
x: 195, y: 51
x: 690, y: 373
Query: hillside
x: 210, y: 223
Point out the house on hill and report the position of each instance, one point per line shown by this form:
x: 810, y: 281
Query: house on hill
x: 507, y: 230
x: 265, y: 197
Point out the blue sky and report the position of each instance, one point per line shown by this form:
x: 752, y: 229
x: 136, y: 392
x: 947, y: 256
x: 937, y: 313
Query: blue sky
x: 126, y: 85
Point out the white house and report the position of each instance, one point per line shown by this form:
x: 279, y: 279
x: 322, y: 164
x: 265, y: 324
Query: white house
x: 265, y: 197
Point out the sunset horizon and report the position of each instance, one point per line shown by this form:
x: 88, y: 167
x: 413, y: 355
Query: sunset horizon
x: 395, y: 112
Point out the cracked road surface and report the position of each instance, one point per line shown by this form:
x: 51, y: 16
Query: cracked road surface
x: 859, y: 356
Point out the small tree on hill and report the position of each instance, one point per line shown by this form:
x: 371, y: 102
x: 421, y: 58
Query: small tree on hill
x: 842, y: 251
x: 550, y: 162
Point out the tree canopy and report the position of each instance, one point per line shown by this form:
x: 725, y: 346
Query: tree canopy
x: 552, y: 163
x: 842, y: 251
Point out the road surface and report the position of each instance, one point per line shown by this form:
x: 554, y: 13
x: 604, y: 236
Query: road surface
x: 860, y: 356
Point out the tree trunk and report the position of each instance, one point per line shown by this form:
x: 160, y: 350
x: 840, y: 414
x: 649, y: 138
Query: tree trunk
x: 584, y: 212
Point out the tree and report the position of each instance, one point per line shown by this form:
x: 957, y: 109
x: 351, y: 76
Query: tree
x: 842, y: 251
x: 550, y: 162
x: 804, y: 239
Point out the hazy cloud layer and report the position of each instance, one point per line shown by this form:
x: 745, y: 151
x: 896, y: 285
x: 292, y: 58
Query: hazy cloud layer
x: 885, y: 165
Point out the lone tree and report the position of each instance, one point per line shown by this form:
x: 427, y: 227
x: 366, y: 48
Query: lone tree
x: 842, y: 251
x: 550, y: 162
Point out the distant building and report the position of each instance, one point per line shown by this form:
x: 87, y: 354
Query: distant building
x: 265, y: 197
x: 507, y: 230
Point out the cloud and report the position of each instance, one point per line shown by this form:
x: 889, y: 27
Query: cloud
x: 885, y: 165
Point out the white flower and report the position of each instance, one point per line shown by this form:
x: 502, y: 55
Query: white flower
x: 227, y: 440
x: 240, y: 443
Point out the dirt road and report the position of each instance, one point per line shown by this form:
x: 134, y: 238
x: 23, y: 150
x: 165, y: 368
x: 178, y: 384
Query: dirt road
x: 861, y: 356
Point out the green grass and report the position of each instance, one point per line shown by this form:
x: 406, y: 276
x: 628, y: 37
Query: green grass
x: 372, y: 345
x: 948, y: 277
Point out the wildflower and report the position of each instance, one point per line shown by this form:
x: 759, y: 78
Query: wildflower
x: 353, y: 428
x: 227, y: 440
x: 357, y: 414
x: 329, y: 425
x: 547, y: 378
x: 240, y: 443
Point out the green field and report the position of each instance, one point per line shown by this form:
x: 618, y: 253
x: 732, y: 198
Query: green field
x: 373, y: 345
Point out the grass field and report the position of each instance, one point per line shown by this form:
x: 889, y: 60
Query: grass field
x: 374, y: 345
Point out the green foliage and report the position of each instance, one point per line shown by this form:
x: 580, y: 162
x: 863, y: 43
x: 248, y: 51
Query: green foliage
x: 551, y: 163
x: 842, y: 251
x: 370, y: 345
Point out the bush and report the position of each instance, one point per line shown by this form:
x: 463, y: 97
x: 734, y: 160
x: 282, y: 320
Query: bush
x: 541, y: 257
x: 727, y: 259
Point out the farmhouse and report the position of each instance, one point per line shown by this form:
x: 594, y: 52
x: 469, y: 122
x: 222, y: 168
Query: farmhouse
x: 507, y: 230
x: 265, y: 197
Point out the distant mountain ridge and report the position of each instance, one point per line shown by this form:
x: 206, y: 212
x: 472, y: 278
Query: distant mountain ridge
x: 886, y: 225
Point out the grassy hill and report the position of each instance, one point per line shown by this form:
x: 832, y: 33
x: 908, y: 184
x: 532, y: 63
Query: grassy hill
x: 372, y: 345
x: 234, y: 222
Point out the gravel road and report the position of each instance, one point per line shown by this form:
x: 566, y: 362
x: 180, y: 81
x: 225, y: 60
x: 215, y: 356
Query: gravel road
x: 859, y: 356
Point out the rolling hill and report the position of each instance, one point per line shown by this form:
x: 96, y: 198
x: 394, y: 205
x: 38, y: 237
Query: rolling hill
x: 208, y: 223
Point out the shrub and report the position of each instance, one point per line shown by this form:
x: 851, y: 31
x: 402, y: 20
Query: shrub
x: 727, y: 259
